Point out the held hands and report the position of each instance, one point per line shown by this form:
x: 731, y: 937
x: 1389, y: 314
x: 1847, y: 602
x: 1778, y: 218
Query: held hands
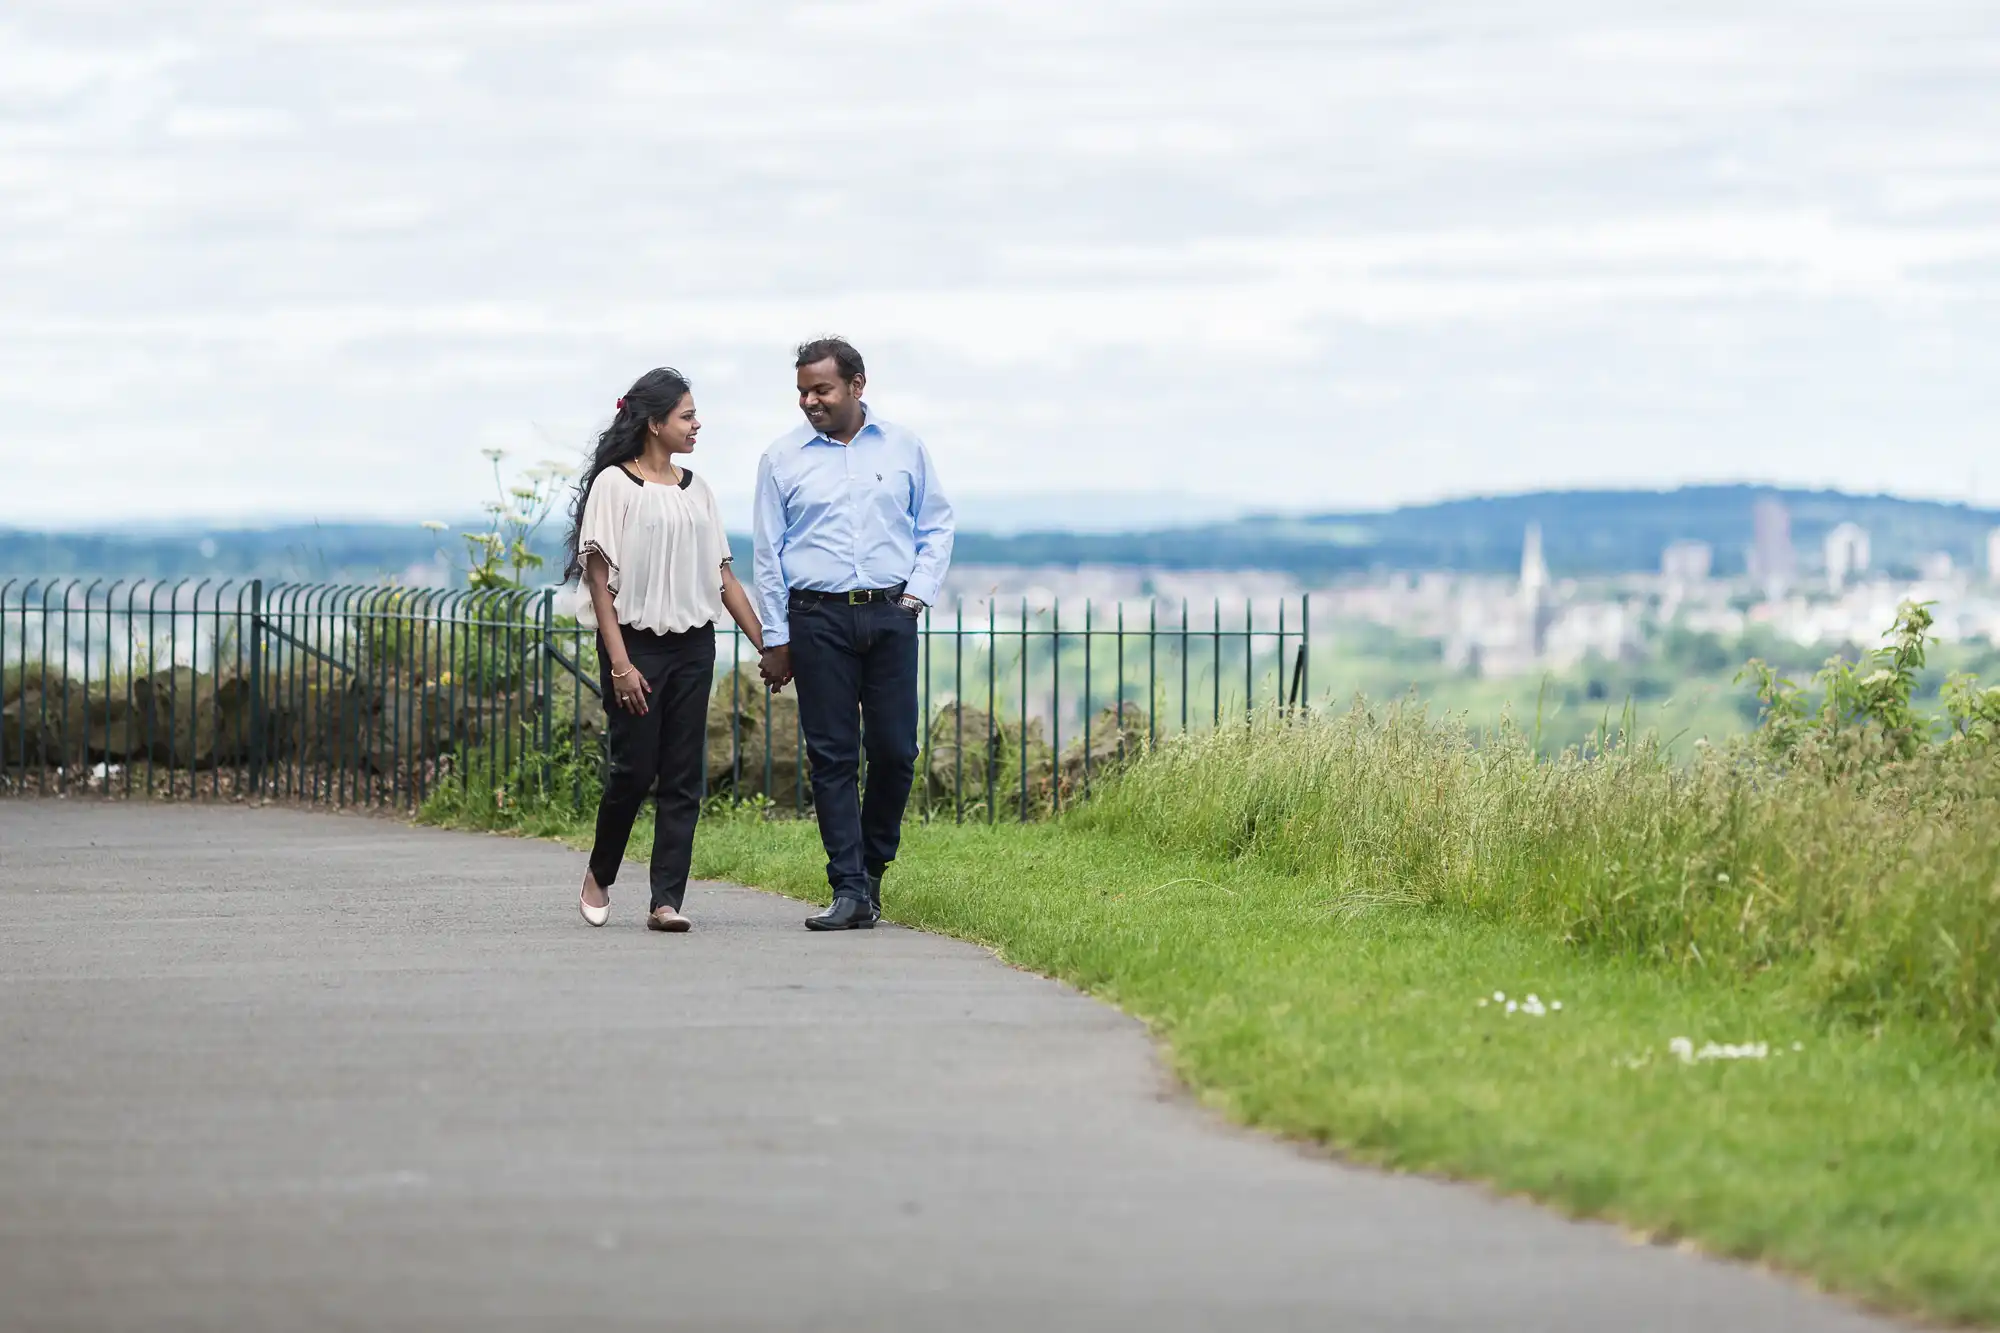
x: 630, y: 686
x: 775, y: 666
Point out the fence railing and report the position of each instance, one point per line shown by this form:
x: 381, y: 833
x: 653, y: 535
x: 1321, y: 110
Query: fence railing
x: 374, y: 695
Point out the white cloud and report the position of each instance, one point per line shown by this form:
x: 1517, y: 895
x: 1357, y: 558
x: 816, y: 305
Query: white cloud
x: 1313, y: 254
x: 228, y: 123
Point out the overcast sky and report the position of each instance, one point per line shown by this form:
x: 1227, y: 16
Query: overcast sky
x: 309, y: 258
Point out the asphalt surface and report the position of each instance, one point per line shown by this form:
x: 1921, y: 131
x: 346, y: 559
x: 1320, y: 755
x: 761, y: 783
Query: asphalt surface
x: 262, y: 1069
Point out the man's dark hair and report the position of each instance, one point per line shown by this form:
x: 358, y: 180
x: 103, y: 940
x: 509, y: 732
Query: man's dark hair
x: 845, y: 359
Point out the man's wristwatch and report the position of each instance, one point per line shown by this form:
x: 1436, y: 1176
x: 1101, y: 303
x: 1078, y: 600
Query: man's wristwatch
x: 911, y: 604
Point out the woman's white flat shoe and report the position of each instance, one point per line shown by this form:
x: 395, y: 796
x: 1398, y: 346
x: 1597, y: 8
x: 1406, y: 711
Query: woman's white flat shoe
x: 596, y: 916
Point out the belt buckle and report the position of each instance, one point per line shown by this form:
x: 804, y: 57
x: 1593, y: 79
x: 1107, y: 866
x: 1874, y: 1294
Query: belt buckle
x: 859, y: 597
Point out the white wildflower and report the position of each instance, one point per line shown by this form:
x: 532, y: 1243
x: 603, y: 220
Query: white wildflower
x: 432, y: 525
x: 1533, y: 1005
x: 1556, y: 1005
x: 1685, y: 1051
x: 1798, y: 1046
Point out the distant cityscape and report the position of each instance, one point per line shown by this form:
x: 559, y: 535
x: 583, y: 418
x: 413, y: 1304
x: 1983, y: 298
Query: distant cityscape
x: 1498, y: 588
x: 1498, y: 626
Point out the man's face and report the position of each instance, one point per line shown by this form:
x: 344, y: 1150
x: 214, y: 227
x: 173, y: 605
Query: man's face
x: 831, y: 404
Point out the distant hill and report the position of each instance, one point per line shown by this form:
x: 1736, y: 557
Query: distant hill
x: 332, y: 552
x: 1583, y: 532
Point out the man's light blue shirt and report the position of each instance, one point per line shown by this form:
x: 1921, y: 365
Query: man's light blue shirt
x: 835, y: 517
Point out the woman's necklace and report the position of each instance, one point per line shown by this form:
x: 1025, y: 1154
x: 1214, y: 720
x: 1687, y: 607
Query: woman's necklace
x: 673, y: 477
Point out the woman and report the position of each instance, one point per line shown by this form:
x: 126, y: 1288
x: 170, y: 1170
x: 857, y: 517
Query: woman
x: 647, y: 539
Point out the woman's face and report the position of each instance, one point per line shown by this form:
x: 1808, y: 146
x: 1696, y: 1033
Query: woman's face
x: 678, y: 430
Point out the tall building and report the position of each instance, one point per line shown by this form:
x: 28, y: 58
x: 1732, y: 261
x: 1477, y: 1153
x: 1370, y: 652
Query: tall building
x: 1536, y: 612
x: 1685, y: 562
x: 1846, y: 554
x: 1534, y: 569
x: 1772, y: 560
x: 1510, y: 636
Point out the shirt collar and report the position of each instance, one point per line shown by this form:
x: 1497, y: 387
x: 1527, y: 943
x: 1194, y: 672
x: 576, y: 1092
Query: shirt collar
x: 867, y: 424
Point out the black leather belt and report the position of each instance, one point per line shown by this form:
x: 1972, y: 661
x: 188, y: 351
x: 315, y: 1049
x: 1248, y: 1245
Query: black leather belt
x: 858, y: 597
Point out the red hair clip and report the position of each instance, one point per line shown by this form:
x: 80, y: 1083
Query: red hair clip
x: 621, y: 405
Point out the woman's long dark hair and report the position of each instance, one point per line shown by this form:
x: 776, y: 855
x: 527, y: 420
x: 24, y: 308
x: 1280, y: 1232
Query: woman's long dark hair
x: 652, y: 397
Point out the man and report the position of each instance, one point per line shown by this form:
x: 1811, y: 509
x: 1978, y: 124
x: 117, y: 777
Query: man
x: 853, y: 535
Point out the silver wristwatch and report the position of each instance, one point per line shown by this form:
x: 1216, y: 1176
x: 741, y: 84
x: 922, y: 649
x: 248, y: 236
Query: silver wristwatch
x: 909, y: 603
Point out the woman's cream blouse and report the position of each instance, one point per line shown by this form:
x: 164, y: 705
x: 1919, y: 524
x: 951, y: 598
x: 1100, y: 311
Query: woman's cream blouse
x: 665, y: 546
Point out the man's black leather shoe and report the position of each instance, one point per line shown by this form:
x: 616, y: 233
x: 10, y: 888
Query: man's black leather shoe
x: 845, y: 914
x: 875, y: 894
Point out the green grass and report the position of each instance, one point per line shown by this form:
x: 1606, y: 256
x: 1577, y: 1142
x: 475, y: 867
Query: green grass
x: 1870, y: 1160
x: 1308, y: 915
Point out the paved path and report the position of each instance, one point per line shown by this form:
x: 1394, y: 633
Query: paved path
x: 268, y: 1070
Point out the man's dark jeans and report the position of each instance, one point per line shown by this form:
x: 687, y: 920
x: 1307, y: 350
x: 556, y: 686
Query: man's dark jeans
x: 856, y: 670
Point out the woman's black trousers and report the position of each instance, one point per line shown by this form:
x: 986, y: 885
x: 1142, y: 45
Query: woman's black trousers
x: 661, y: 750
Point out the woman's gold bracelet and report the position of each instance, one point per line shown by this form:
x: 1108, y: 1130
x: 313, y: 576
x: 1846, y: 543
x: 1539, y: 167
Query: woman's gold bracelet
x: 616, y: 673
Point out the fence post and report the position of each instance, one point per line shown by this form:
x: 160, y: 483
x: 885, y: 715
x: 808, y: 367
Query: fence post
x: 548, y: 629
x: 1305, y: 650
x: 257, y: 720
x: 544, y: 689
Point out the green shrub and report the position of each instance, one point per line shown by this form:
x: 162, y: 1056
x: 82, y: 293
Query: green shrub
x: 536, y: 794
x: 1866, y: 721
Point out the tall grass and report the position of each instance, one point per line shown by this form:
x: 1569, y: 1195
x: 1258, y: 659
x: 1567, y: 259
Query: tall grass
x: 1885, y: 892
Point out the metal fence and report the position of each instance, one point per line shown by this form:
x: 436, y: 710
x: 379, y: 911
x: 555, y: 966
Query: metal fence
x: 383, y: 696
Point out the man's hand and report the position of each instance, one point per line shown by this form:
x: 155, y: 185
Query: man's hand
x: 775, y: 666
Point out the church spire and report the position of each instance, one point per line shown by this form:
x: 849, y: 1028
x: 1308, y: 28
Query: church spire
x: 1534, y: 570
